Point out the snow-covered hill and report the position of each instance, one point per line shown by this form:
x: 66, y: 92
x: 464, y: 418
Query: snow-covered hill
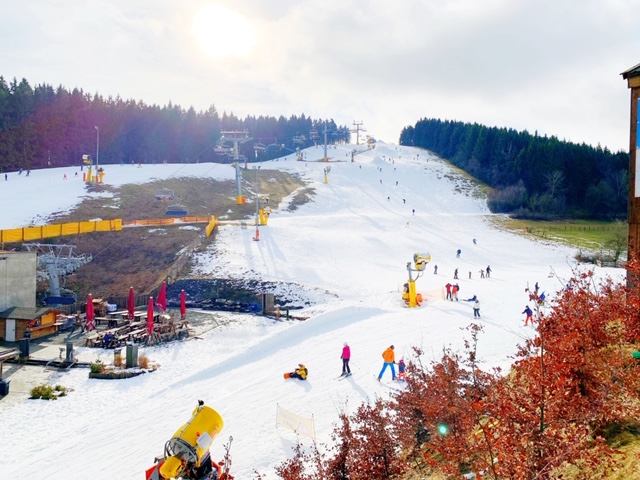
x: 349, y: 247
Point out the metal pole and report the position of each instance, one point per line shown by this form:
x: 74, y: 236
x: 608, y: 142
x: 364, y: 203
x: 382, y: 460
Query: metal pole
x: 97, y: 147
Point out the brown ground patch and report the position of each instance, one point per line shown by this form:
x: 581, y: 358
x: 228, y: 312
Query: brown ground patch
x: 140, y: 257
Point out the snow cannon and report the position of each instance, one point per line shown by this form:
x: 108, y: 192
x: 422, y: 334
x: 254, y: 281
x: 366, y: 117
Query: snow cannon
x: 409, y: 294
x: 186, y: 454
x: 420, y: 260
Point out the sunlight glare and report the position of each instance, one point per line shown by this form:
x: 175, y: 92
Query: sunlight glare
x: 222, y: 32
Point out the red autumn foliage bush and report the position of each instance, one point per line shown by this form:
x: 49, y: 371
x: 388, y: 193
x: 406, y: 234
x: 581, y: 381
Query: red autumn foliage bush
x: 566, y: 386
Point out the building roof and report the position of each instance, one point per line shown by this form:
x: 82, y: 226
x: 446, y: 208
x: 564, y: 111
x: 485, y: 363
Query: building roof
x: 24, y: 313
x: 632, y: 72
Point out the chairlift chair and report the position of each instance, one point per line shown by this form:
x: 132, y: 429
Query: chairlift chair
x: 176, y: 211
x: 164, y: 194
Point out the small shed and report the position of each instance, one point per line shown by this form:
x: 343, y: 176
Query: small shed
x: 16, y: 321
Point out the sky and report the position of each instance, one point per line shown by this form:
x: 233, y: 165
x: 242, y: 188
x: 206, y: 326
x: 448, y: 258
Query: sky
x: 343, y: 256
x: 551, y: 66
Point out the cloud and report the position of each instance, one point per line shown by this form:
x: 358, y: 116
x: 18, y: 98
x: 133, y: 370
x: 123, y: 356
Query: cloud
x: 551, y: 66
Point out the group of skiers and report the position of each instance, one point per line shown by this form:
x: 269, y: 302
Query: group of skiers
x: 388, y: 357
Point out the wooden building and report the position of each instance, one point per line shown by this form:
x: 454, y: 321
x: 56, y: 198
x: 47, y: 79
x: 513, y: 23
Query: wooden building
x: 632, y: 76
x: 15, y: 321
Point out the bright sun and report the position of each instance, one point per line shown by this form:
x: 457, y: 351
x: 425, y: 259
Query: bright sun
x: 221, y: 32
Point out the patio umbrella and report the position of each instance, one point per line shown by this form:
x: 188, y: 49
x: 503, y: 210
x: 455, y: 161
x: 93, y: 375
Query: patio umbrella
x: 161, y: 301
x: 150, y: 315
x: 90, y: 314
x: 183, y: 305
x: 131, y: 304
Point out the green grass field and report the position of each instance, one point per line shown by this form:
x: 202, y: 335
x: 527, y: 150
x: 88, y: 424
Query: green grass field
x: 593, y: 235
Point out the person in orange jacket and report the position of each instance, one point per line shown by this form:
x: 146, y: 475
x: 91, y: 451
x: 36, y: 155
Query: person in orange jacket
x: 389, y: 361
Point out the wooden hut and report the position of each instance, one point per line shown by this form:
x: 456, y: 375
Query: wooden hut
x: 16, y: 321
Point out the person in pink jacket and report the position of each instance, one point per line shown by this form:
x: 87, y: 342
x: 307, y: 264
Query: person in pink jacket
x: 346, y: 356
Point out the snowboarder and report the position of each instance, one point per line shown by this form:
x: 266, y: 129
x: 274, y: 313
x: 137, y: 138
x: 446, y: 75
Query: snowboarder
x: 448, y: 288
x: 476, y: 308
x: 402, y: 375
x: 301, y: 372
x: 472, y: 299
x: 529, y: 318
x: 346, y: 355
x: 458, y: 253
x: 389, y: 361
x: 488, y: 270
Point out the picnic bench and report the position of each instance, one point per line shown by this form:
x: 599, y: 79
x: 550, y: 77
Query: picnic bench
x: 138, y: 335
x: 100, y: 320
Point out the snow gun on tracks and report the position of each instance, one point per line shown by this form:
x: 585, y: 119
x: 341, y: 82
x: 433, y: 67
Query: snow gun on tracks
x: 186, y: 454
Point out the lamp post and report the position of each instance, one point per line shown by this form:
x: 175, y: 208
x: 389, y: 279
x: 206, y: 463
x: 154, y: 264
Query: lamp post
x: 97, y: 146
x: 257, y: 237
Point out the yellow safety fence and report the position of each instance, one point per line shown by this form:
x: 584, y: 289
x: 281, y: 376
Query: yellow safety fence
x: 211, y: 225
x: 211, y: 222
x: 26, y: 234
x: 165, y: 221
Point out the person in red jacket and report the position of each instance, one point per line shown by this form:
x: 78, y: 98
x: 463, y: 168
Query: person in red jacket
x: 346, y: 356
x: 389, y: 361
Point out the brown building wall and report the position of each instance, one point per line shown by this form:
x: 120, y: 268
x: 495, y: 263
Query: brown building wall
x: 634, y: 201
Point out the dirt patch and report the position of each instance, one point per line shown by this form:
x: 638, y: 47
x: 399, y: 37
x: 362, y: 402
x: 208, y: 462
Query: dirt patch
x: 141, y: 256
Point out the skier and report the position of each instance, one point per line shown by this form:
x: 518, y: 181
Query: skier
x: 472, y: 299
x: 346, y: 355
x: 389, y: 361
x: 488, y: 270
x: 402, y: 375
x: 481, y: 273
x: 448, y: 287
x: 476, y: 308
x: 435, y: 269
x: 537, y: 287
x: 301, y: 372
x: 458, y: 253
x: 529, y: 318
x: 455, y: 274
x: 475, y: 242
x: 454, y: 291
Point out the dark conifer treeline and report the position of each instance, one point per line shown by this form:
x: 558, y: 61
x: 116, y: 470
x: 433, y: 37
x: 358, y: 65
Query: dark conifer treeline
x: 43, y: 126
x: 531, y: 176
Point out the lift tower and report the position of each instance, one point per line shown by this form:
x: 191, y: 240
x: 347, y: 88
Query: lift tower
x: 357, y: 130
x: 55, y: 261
x: 236, y: 136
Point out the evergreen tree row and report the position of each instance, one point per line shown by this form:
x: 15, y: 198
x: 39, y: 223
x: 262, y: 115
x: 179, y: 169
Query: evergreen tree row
x: 531, y: 176
x: 45, y: 126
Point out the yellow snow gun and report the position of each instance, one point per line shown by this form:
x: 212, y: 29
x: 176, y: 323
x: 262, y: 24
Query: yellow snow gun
x: 186, y: 454
x: 420, y: 260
